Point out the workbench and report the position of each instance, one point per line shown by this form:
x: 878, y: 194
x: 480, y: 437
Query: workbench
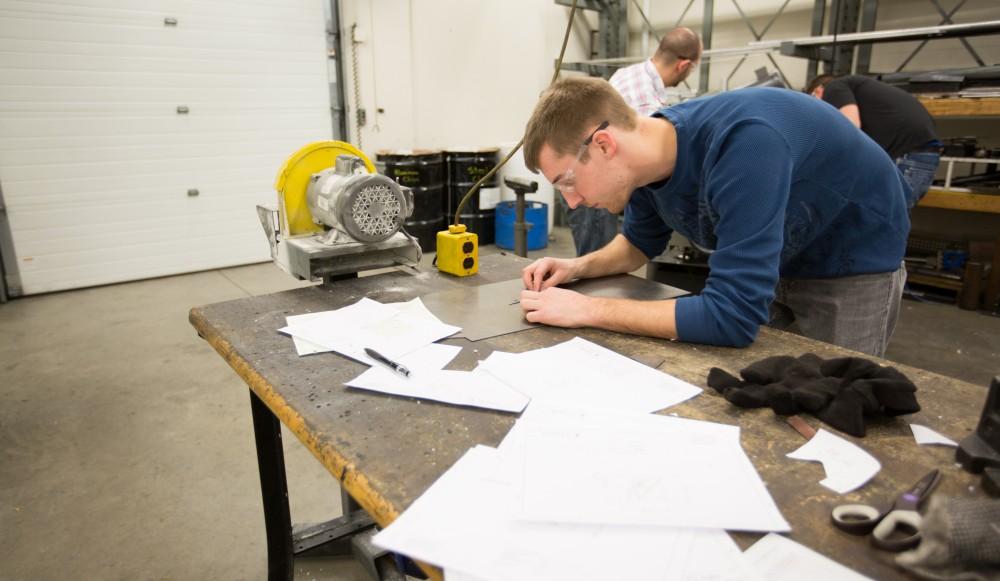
x: 385, y: 450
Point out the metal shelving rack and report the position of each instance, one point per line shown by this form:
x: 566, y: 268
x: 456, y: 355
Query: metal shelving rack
x: 850, y: 34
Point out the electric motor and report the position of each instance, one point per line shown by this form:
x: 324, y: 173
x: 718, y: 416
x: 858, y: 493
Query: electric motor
x: 368, y: 207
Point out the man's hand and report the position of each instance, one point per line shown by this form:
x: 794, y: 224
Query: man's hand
x: 547, y: 272
x: 556, y: 306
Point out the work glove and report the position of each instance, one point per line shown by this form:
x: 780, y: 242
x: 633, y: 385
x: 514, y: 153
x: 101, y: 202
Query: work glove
x: 841, y: 392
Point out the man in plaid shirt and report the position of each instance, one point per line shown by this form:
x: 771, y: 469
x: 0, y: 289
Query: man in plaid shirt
x: 643, y: 86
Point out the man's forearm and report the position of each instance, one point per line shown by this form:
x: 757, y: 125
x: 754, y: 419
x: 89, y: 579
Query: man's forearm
x: 617, y: 257
x: 647, y: 318
x: 853, y: 114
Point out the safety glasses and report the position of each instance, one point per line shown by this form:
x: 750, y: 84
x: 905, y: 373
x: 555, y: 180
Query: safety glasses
x: 567, y: 183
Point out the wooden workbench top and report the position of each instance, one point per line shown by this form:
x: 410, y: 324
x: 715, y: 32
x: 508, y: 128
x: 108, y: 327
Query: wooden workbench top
x: 387, y: 450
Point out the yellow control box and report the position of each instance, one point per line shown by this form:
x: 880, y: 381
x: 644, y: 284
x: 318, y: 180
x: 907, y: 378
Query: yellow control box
x: 458, y: 251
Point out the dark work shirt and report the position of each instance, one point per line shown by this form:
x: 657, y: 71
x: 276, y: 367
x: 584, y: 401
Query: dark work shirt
x: 777, y: 185
x: 890, y: 116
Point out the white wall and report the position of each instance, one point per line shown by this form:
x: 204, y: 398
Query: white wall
x: 451, y: 73
x: 460, y: 72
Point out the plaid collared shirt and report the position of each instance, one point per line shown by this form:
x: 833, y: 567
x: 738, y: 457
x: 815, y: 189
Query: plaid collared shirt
x: 641, y: 86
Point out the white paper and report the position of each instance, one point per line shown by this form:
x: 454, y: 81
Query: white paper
x: 925, y: 436
x: 777, y: 558
x: 847, y: 465
x: 635, y: 469
x: 391, y: 330
x: 427, y: 359
x: 303, y: 347
x: 427, y: 380
x: 581, y: 373
x: 464, y: 523
x: 472, y: 388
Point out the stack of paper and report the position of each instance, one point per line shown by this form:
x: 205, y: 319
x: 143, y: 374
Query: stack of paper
x: 404, y: 332
x: 428, y: 380
x: 393, y: 329
x: 574, y: 373
x: 464, y: 523
x: 583, y: 494
x: 579, y: 373
x: 647, y: 469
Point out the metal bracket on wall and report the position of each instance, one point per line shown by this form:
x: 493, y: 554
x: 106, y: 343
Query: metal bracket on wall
x: 335, y: 52
x: 945, y: 19
x: 612, y: 31
x: 816, y: 47
x: 757, y: 36
x: 819, y: 46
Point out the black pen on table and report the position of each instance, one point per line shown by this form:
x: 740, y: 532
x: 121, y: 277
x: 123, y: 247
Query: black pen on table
x: 398, y: 368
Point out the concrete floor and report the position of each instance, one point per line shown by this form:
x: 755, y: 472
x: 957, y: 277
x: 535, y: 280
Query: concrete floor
x: 126, y: 448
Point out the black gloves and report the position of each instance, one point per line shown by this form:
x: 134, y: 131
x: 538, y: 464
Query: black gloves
x: 841, y: 392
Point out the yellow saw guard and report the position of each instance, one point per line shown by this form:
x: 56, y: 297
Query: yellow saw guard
x: 293, y: 182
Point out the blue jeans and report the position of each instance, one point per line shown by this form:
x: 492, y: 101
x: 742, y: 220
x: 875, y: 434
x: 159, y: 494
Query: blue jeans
x: 592, y: 228
x: 918, y: 169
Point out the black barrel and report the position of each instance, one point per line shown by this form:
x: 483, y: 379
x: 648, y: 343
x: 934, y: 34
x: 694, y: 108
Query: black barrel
x: 425, y: 231
x: 483, y: 224
x: 469, y: 165
x: 466, y: 166
x: 421, y: 170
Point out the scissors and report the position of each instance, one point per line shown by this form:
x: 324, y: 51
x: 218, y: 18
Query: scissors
x: 894, y: 530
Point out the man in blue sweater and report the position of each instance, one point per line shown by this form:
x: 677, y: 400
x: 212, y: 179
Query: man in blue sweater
x: 804, y: 216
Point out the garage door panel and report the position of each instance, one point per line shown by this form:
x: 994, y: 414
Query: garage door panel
x: 40, y: 193
x: 147, y: 205
x: 67, y: 143
x: 169, y: 239
x: 148, y: 50
x: 58, y: 64
x: 119, y: 11
x: 295, y: 77
x: 264, y: 37
x: 134, y: 260
x: 168, y: 97
x: 98, y: 236
x: 197, y: 127
x: 230, y: 151
x: 95, y: 160
x: 142, y: 169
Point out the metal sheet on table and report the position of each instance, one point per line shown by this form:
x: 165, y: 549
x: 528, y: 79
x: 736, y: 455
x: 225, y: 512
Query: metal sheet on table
x: 486, y: 311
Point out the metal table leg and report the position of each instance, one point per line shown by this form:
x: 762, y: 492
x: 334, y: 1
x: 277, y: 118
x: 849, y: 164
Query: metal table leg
x: 337, y: 537
x: 274, y: 491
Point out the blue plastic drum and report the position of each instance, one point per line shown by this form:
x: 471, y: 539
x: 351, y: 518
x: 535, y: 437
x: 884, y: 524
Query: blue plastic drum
x: 536, y: 214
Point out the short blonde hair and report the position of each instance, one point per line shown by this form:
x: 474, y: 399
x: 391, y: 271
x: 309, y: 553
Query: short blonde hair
x: 569, y: 109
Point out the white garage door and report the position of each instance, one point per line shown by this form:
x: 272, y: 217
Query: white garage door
x: 137, y: 136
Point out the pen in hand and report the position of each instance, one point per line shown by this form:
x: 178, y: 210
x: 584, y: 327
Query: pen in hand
x: 398, y: 368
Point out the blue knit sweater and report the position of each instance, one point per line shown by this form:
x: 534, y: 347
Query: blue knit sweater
x: 776, y: 184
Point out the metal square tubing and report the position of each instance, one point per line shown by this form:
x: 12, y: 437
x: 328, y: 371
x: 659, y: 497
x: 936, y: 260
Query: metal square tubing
x: 283, y: 543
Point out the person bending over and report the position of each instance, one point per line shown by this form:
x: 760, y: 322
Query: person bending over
x: 804, y: 215
x: 895, y: 119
